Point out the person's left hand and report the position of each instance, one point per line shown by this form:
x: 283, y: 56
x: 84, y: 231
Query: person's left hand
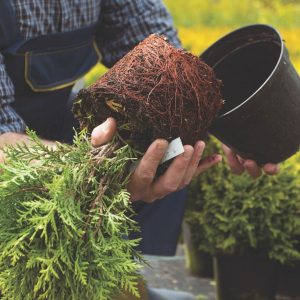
x: 238, y: 165
x: 104, y: 132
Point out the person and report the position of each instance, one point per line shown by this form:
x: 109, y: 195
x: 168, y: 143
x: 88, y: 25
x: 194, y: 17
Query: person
x: 46, y: 46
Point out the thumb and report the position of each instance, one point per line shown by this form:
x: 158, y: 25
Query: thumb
x: 104, y: 132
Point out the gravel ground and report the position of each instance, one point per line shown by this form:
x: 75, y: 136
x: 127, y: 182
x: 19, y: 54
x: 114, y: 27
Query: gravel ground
x: 170, y: 273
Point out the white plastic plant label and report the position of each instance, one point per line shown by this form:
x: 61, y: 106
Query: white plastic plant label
x: 175, y: 148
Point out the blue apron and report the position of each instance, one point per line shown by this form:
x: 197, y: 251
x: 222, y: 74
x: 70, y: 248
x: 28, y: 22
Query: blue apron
x: 43, y: 70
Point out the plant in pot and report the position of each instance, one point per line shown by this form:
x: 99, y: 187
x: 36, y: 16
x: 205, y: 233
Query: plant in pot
x: 250, y: 226
x: 198, y: 262
x: 289, y: 274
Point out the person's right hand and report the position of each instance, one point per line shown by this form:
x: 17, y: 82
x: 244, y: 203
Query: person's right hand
x: 144, y: 186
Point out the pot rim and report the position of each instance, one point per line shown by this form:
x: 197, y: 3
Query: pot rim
x: 267, y: 79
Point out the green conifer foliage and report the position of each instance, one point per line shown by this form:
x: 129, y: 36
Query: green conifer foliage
x: 237, y: 215
x: 64, y: 219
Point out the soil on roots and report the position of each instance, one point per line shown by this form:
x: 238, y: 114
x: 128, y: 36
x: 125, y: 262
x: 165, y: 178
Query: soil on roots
x: 155, y: 91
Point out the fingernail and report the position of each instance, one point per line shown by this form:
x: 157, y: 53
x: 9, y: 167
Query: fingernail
x: 103, y: 128
x: 200, y: 145
x: 162, y: 146
x: 215, y: 157
x: 106, y: 125
x: 187, y: 154
x: 275, y: 169
x: 199, y: 148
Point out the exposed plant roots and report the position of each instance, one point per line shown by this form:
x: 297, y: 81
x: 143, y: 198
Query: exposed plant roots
x: 157, y: 91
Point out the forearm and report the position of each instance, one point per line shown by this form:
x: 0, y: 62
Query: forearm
x: 12, y: 138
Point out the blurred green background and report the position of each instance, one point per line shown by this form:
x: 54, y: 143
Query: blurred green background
x: 231, y: 13
x: 201, y: 22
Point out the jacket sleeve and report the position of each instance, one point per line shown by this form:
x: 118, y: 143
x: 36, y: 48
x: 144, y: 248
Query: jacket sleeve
x: 125, y: 23
x: 10, y: 121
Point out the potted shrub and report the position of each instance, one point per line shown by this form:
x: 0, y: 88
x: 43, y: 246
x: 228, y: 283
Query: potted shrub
x: 198, y: 262
x: 288, y: 281
x: 251, y: 226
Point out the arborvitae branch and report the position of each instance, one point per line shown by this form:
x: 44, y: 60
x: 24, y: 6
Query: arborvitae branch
x: 64, y: 222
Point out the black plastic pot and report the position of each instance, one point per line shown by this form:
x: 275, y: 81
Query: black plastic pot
x: 245, y: 278
x: 261, y: 116
x: 198, y: 263
x: 289, y: 282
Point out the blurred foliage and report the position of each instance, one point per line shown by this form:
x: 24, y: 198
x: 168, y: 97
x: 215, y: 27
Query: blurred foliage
x: 230, y: 13
x: 202, y: 22
x: 236, y: 214
x: 197, y: 40
x: 95, y: 73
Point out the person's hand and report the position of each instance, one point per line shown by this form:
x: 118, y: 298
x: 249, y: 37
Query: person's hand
x: 104, y: 132
x: 238, y: 165
x: 143, y: 185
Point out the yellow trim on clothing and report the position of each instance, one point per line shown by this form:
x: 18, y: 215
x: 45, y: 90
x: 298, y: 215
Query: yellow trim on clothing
x: 59, y: 86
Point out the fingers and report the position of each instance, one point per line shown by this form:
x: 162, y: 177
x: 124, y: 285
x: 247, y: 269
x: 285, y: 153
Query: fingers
x: 238, y: 165
x: 252, y: 168
x: 271, y: 169
x: 144, y: 174
x: 193, y: 164
x: 208, y: 163
x: 256, y: 171
x: 104, y: 132
x: 171, y: 180
x: 143, y: 184
x: 235, y: 165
